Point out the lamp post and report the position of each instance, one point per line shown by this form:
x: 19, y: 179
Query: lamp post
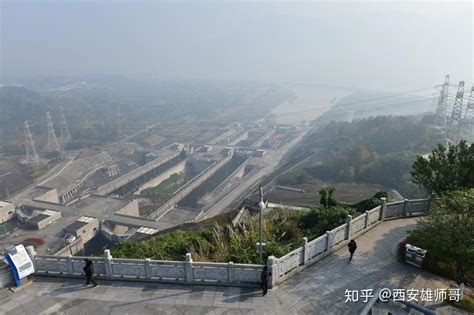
x: 261, y: 205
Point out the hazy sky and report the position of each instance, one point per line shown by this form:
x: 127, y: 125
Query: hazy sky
x: 385, y: 45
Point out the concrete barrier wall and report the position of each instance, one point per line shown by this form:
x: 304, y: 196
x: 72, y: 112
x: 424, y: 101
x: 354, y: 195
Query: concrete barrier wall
x: 134, y: 174
x: 187, y: 188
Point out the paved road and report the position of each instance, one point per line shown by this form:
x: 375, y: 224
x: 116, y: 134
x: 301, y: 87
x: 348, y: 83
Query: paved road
x: 317, y: 290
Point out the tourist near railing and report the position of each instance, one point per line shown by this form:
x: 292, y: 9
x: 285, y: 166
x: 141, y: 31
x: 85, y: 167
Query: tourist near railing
x: 310, y: 252
x: 189, y: 272
x: 185, y: 272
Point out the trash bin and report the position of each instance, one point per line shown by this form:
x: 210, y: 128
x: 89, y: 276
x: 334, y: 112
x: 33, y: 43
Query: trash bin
x: 414, y: 255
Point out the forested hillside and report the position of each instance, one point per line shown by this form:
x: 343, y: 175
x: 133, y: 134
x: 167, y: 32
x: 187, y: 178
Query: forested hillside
x: 376, y: 150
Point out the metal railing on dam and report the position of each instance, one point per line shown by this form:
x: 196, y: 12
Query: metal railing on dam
x: 230, y: 274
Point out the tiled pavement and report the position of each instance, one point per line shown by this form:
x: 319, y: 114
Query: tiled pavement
x: 317, y: 290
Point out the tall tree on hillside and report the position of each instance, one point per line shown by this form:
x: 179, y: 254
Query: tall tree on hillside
x: 447, y: 232
x: 446, y: 170
x: 327, y: 198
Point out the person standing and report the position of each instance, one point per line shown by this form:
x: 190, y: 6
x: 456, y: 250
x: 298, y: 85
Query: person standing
x: 264, y: 277
x: 352, y: 248
x: 89, y: 272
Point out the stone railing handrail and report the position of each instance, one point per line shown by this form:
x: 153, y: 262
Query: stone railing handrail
x: 186, y: 271
x: 230, y: 274
x: 310, y: 252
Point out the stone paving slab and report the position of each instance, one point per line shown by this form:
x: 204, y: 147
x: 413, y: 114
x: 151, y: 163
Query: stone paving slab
x: 320, y: 289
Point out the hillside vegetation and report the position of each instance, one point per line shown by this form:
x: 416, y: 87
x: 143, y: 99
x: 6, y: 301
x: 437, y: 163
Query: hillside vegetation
x: 376, y: 150
x: 220, y: 242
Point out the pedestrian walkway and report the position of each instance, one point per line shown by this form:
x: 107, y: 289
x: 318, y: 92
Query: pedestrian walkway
x: 319, y: 289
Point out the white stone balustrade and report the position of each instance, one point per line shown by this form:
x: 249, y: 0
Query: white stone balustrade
x: 313, y: 251
x: 152, y: 270
x: 189, y: 272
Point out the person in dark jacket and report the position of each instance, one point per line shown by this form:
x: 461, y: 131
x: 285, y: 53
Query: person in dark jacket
x: 264, y: 277
x: 352, y: 248
x: 89, y: 271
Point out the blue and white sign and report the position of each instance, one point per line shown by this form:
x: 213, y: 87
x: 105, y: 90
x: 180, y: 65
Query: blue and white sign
x: 20, y: 263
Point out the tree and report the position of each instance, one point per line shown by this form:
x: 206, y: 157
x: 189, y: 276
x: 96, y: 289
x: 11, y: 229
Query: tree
x: 447, y: 232
x: 322, y: 219
x: 326, y: 197
x: 446, y: 170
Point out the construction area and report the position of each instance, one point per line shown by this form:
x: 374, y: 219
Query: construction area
x: 96, y: 197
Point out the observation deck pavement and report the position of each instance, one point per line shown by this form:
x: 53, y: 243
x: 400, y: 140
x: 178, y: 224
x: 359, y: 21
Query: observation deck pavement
x: 320, y: 289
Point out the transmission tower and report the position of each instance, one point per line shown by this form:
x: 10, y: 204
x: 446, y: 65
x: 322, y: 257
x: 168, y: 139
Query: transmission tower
x: 442, y: 102
x: 53, y: 144
x: 31, y: 155
x: 457, y: 108
x: 455, y: 124
x: 64, y: 135
x: 468, y: 119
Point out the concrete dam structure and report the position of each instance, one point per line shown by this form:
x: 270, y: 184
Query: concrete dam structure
x: 211, y: 183
x: 189, y: 194
x: 131, y: 181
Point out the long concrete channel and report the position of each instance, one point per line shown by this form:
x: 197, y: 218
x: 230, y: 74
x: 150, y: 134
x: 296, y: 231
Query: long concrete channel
x: 189, y: 187
x: 135, y: 174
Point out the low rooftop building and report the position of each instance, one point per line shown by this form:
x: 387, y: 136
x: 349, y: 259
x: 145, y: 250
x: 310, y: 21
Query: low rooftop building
x: 85, y: 228
x: 7, y: 211
x: 44, y: 219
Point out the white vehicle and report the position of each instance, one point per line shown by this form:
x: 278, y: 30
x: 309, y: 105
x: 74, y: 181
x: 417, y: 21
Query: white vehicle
x: 70, y: 239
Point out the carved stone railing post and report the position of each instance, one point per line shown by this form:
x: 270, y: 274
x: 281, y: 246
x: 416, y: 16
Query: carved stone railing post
x: 148, y: 273
x: 383, y: 209
x: 231, y: 272
x: 188, y: 268
x: 430, y: 202
x: 70, y: 267
x: 366, y: 219
x: 32, y: 253
x: 405, y: 207
x: 328, y: 240
x: 304, y: 246
x: 272, y: 263
x: 348, y: 227
x: 108, y: 264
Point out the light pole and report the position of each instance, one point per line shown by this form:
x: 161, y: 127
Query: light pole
x: 261, y: 205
